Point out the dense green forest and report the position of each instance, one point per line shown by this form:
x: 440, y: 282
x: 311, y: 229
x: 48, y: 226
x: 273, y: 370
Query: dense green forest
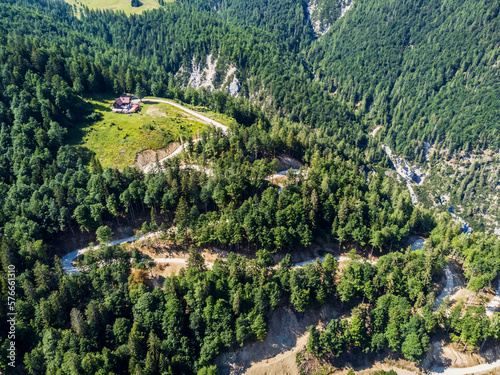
x: 123, y: 326
x: 49, y: 187
x: 431, y: 87
x: 470, y: 189
x: 399, y: 315
x: 285, y: 21
x: 425, y: 71
x: 109, y: 318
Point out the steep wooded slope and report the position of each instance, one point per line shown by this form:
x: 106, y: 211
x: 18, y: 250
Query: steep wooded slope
x: 425, y: 70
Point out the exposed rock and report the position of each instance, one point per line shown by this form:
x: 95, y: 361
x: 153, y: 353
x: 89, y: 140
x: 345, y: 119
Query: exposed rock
x: 405, y: 170
x: 408, y: 173
x: 375, y: 131
x: 277, y: 342
x: 413, y: 175
x: 492, y: 354
x: 234, y: 87
x: 319, y: 25
x: 203, y: 76
x: 229, y: 74
x: 428, y: 150
x: 345, y: 7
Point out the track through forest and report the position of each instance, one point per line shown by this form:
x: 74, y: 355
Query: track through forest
x: 152, y: 167
x: 465, y: 370
x: 69, y: 269
x: 203, y: 118
x: 69, y: 258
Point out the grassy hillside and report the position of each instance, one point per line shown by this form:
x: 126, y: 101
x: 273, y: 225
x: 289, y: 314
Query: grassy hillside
x: 119, y: 5
x: 117, y: 138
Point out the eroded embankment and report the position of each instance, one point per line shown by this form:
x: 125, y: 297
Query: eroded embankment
x: 287, y: 335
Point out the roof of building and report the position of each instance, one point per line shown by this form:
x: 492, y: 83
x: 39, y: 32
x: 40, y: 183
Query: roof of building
x: 122, y: 100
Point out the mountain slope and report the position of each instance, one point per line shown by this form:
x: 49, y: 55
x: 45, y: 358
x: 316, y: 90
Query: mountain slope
x: 425, y: 70
x: 218, y: 192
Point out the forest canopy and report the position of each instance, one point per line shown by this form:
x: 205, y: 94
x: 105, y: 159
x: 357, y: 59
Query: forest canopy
x: 307, y: 98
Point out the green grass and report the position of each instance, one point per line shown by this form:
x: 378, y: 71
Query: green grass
x: 118, y: 5
x: 117, y: 137
x: 219, y: 117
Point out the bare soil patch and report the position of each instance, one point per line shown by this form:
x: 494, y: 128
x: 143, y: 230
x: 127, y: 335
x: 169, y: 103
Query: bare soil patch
x: 161, y: 247
x: 163, y: 270
x: 147, y: 157
x: 155, y: 112
x: 287, y: 334
x: 442, y: 355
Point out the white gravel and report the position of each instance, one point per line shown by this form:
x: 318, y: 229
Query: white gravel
x: 465, y: 370
x: 448, y: 289
x: 493, y: 305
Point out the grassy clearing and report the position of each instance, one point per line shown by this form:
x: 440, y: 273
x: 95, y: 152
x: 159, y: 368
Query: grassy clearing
x: 118, y: 5
x: 117, y: 137
x: 219, y: 117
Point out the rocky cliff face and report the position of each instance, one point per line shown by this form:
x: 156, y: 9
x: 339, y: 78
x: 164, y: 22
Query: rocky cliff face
x: 209, y: 74
x: 323, y: 13
x: 421, y: 189
x: 409, y: 173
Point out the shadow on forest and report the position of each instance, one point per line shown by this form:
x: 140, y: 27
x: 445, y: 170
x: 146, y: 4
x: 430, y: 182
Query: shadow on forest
x: 87, y: 116
x: 99, y: 106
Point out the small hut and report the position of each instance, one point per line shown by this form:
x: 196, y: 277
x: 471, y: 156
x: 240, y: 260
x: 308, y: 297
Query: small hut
x: 123, y: 102
x: 124, y: 105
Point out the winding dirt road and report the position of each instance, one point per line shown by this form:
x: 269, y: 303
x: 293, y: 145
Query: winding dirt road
x: 67, y: 260
x: 448, y: 289
x: 450, y: 284
x: 198, y: 115
x: 465, y: 370
x: 152, y: 168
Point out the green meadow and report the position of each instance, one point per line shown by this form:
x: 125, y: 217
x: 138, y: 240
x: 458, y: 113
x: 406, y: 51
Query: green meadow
x: 116, y: 138
x: 118, y: 5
